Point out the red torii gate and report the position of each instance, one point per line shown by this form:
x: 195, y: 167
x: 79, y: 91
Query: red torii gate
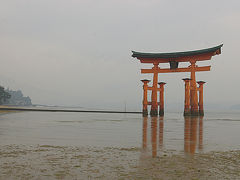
x: 174, y: 59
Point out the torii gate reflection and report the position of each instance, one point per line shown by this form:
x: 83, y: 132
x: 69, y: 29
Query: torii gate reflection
x: 153, y: 135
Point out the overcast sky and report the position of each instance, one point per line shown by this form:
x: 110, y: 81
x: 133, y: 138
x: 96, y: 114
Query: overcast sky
x: 78, y: 52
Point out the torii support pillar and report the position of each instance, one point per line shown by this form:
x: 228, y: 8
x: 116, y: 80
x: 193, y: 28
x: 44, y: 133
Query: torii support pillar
x: 161, y: 99
x: 201, y: 110
x: 145, y: 101
x: 193, y: 90
x: 154, y: 107
x: 187, y: 97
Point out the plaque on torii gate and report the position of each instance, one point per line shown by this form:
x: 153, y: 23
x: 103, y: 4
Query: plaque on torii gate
x: 174, y: 59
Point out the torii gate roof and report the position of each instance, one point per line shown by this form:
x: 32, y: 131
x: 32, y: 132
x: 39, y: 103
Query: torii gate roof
x: 198, y: 55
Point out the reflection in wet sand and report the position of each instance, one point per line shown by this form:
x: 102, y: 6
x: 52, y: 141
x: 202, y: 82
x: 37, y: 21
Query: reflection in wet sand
x: 193, y: 134
x: 187, y: 134
x: 200, y: 146
x: 156, y: 134
x: 161, y: 124
x: 144, y: 135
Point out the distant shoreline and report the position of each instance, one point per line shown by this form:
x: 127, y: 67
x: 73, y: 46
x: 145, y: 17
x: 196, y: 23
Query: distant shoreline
x: 6, y: 108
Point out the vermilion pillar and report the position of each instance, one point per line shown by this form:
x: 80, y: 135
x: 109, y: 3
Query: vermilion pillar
x: 193, y: 90
x: 161, y: 99
x: 154, y: 107
x: 145, y: 101
x: 201, y: 111
x: 187, y: 97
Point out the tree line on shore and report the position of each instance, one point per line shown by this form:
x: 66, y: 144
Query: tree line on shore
x: 13, y: 98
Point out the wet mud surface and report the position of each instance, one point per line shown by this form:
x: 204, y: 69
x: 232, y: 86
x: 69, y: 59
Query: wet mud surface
x: 71, y: 162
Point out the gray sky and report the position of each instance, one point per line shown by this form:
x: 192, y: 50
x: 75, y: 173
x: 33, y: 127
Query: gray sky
x: 78, y: 52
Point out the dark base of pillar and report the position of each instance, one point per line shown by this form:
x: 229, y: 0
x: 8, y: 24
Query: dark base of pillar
x: 161, y: 112
x: 194, y: 113
x: 187, y: 113
x: 154, y: 113
x: 201, y: 113
x: 145, y: 113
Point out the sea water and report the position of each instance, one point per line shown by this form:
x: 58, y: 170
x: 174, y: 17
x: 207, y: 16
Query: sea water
x: 219, y: 132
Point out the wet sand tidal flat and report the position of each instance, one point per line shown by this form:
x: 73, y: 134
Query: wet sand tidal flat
x: 59, y: 162
x: 38, y: 145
